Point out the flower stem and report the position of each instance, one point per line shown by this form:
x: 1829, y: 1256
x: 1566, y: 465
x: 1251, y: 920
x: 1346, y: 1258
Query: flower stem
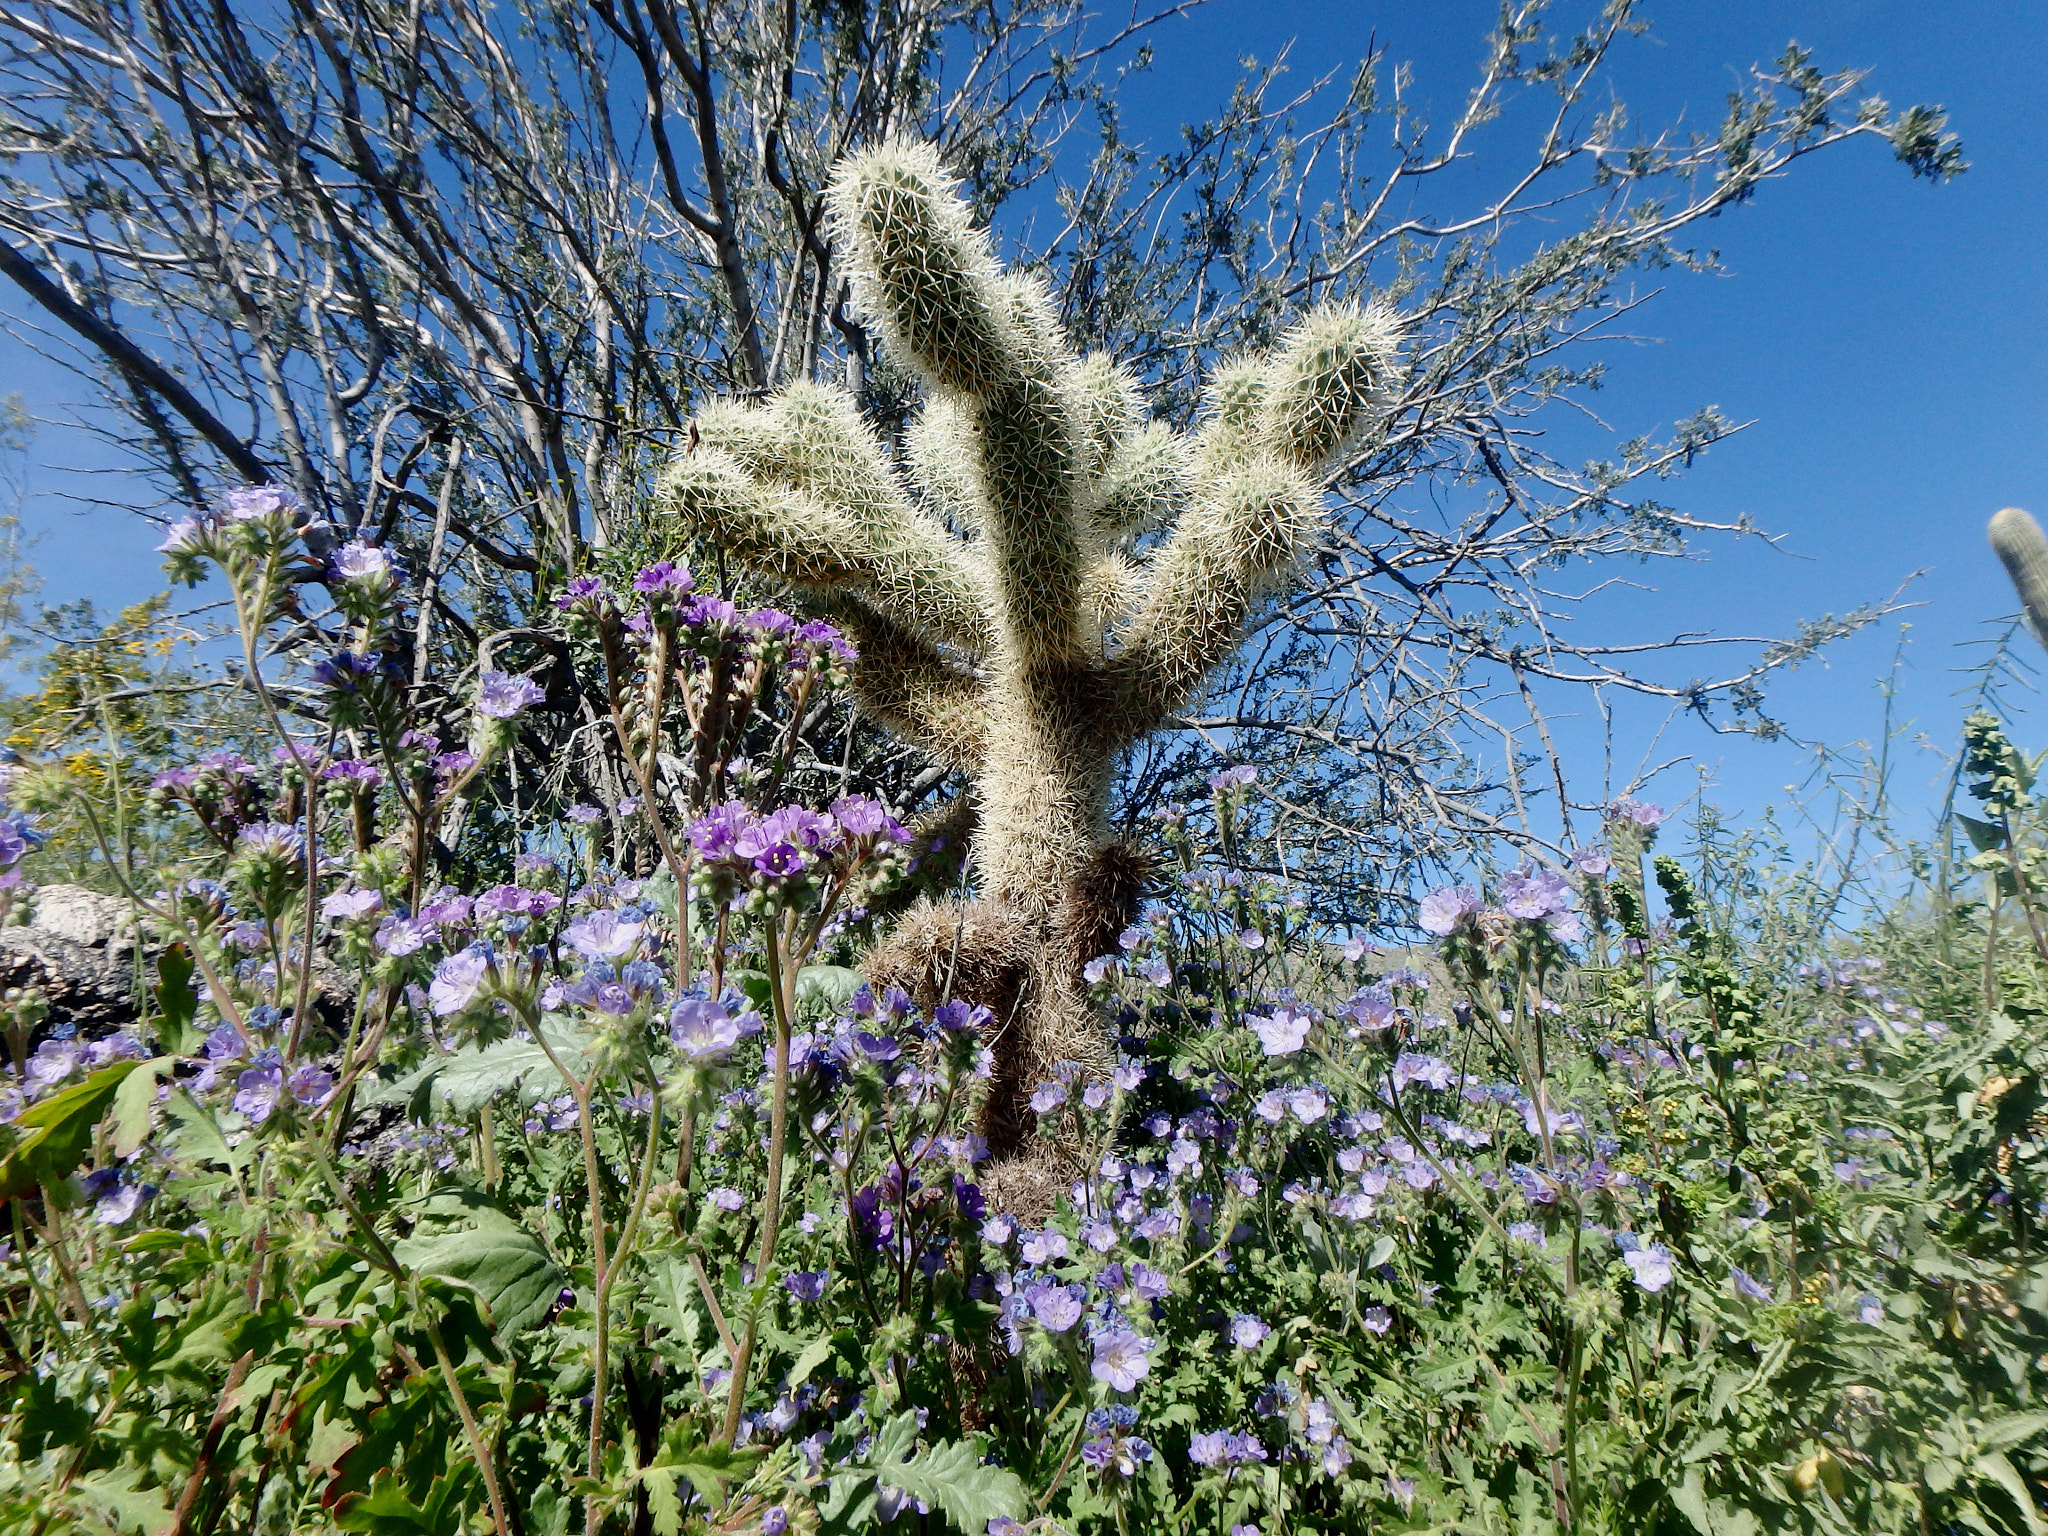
x: 771, y: 1209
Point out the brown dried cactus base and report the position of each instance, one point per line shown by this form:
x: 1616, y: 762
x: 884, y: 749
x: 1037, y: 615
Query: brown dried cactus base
x: 1024, y: 966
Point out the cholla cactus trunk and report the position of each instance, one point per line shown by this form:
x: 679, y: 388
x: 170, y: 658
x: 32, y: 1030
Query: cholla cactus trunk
x: 1044, y: 790
x: 2020, y: 544
x: 1048, y: 577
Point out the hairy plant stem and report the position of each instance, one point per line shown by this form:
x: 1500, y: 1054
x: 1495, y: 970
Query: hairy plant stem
x: 487, y: 1145
x: 778, y: 1127
x: 486, y: 1460
x: 607, y: 1275
x: 2020, y: 886
x: 202, y: 1465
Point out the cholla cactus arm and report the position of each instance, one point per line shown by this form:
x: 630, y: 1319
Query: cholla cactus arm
x: 1145, y: 484
x: 1106, y: 409
x: 928, y: 281
x: 1230, y: 550
x: 924, y: 276
x: 904, y: 682
x: 801, y: 489
x: 1326, y: 385
x: 938, y: 452
x: 772, y: 529
x: 1111, y: 591
x: 1276, y: 431
x: 1236, y: 391
x: 2020, y: 544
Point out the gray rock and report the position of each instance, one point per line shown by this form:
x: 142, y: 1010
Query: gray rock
x: 79, y: 949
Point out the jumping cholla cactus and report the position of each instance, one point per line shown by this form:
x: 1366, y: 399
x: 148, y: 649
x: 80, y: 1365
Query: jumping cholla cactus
x: 1014, y: 617
x: 2021, y: 545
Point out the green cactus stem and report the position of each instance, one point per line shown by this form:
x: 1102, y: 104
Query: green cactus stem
x: 1047, y: 578
x: 2021, y: 545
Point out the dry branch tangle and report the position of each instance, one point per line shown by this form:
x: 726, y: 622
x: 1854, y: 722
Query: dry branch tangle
x: 1015, y: 620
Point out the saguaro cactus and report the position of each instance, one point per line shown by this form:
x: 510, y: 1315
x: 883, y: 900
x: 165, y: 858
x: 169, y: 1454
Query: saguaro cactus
x: 2019, y: 542
x: 1047, y: 577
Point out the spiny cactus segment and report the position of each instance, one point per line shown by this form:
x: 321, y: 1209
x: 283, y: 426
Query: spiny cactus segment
x: 1048, y: 578
x: 2021, y: 545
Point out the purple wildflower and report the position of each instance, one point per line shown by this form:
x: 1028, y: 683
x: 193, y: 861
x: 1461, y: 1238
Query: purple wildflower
x: 1747, y: 1284
x: 1430, y: 1071
x: 1650, y: 1265
x: 1283, y: 1032
x: 663, y: 576
x: 1120, y: 1359
x: 717, y: 832
x: 249, y: 502
x: 256, y: 1091
x: 1308, y: 1104
x: 350, y: 904
x: 357, y: 561
x: 119, y: 1202
x: 1534, y: 893
x: 1445, y: 907
x: 806, y: 1284
x: 603, y: 936
x: 457, y: 978
x: 1057, y: 1307
x: 180, y: 536
x: 507, y: 695
x: 312, y: 1086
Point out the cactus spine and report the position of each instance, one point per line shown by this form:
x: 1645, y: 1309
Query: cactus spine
x: 2021, y: 545
x: 1009, y: 622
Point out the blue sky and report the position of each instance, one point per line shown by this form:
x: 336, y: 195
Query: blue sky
x: 1887, y: 336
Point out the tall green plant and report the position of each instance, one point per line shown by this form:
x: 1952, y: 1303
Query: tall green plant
x: 1014, y: 615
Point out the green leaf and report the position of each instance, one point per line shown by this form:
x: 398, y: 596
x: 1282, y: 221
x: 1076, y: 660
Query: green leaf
x: 849, y: 1501
x: 1985, y: 836
x: 177, y: 1001
x: 386, y: 1511
x: 206, y: 1330
x: 674, y: 1303
x: 753, y: 986
x: 662, y: 1502
x: 1712, y: 1443
x: 470, y: 1078
x: 48, y: 1417
x: 1993, y: 1467
x: 1691, y: 1499
x: 813, y: 1355
x: 953, y: 1478
x: 59, y: 1132
x: 199, y: 1137
x: 710, y: 1469
x: 824, y: 989
x: 2013, y: 1429
x: 491, y: 1254
x: 133, y: 1101
x: 126, y: 1506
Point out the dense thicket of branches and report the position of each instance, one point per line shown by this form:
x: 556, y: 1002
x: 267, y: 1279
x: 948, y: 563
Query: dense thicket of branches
x: 460, y: 273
